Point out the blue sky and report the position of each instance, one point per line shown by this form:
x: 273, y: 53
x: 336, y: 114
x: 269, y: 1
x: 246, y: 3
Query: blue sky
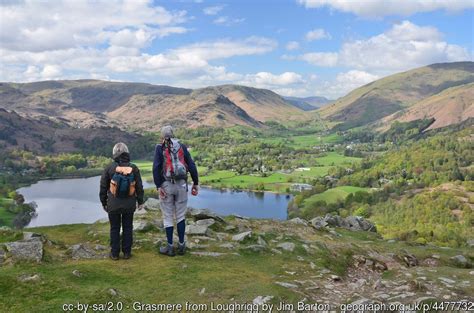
x: 294, y: 47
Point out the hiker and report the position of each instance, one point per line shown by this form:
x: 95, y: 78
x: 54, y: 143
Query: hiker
x: 120, y: 189
x: 170, y: 172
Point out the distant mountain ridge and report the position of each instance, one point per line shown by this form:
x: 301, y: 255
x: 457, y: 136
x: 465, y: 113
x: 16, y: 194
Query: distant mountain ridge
x: 308, y: 103
x: 142, y: 106
x: 381, y: 98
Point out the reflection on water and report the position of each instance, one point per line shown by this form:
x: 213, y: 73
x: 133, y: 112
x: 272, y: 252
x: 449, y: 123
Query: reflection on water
x: 70, y: 201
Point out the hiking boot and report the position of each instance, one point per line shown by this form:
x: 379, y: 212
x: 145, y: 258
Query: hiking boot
x: 113, y: 256
x: 181, y: 248
x: 167, y: 250
x: 127, y: 256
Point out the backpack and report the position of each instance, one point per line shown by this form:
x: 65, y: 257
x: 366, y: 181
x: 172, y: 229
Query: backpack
x: 122, y: 184
x: 174, y: 166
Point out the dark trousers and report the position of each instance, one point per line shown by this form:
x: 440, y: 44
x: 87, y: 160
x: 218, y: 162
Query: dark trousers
x: 124, y: 221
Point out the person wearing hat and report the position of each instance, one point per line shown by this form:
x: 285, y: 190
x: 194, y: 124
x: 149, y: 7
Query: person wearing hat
x: 170, y: 168
x: 120, y: 189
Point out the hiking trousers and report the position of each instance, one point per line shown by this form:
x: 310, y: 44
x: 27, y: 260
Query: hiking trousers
x: 124, y: 221
x: 174, y: 206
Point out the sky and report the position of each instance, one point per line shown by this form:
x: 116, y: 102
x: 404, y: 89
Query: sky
x: 293, y: 47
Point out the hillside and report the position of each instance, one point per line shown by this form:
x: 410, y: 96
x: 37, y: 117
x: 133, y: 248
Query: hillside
x: 230, y: 261
x: 44, y: 135
x: 261, y: 104
x: 451, y: 106
x: 308, y: 103
x: 93, y: 103
x: 396, y: 92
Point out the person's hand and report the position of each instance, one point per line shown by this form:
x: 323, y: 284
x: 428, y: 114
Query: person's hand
x: 162, y: 193
x: 105, y: 208
x: 195, y: 190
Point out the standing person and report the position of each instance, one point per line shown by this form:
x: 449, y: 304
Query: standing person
x: 170, y: 172
x: 120, y: 189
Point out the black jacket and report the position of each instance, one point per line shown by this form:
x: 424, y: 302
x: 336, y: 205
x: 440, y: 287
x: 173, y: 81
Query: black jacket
x: 120, y: 205
x: 158, y: 177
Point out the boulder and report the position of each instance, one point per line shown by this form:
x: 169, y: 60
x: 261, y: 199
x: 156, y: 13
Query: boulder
x: 298, y: 221
x: 287, y: 246
x: 227, y: 245
x: 83, y: 251
x: 242, y: 236
x: 141, y: 225
x: 286, y: 285
x: 26, y: 278
x: 32, y: 236
x: 318, y: 222
x: 461, y: 261
x: 470, y: 243
x: 261, y: 241
x: 202, y: 214
x: 206, y: 222
x: 255, y: 248
x: 29, y: 250
x: 355, y: 223
x: 152, y: 204
x: 409, y: 259
x: 200, y: 230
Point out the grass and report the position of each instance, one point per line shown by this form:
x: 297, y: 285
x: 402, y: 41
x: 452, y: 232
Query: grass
x: 6, y: 217
x: 333, y: 195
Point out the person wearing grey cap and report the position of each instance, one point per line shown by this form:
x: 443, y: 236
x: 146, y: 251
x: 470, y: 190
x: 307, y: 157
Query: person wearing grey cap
x: 170, y: 173
x: 120, y: 189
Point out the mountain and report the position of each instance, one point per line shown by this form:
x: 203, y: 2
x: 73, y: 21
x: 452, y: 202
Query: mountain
x: 95, y: 103
x: 261, y: 104
x: 397, y: 92
x: 451, y: 106
x: 308, y: 103
x: 45, y: 135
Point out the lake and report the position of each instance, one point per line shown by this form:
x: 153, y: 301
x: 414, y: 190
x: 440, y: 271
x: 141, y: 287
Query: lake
x: 71, y: 201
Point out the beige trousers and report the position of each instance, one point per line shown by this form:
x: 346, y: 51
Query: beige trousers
x: 174, y: 206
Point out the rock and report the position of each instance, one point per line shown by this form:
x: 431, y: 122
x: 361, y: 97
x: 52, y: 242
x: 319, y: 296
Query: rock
x: 203, y: 291
x: 298, y: 221
x: 158, y: 223
x: 261, y: 241
x: 426, y: 300
x: 25, y: 278
x: 152, y: 204
x: 200, y: 214
x: 287, y: 246
x: 206, y: 222
x: 286, y: 285
x: 362, y: 302
x: 200, y: 230
x: 312, y: 265
x: 358, y: 223
x: 113, y: 292
x: 335, y: 278
x: 461, y: 261
x: 391, y: 241
x: 229, y: 228
x: 32, y: 236
x: 82, y: 251
x: 318, y: 222
x: 212, y: 254
x: 3, y: 255
x: 227, y: 246
x: 76, y: 273
x: 31, y: 250
x: 470, y: 243
x: 255, y: 248
x: 141, y: 226
x: 260, y: 300
x: 100, y: 248
x: 242, y: 236
x: 408, y: 258
x: 276, y: 251
x: 447, y: 280
x: 471, y: 273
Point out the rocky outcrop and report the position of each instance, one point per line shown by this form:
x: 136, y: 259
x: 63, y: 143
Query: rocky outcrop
x: 26, y: 250
x: 152, y: 204
x: 354, y: 223
x: 84, y: 251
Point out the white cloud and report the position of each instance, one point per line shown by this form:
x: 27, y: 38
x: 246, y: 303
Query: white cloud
x: 267, y: 79
x: 404, y: 46
x: 317, y: 34
x: 292, y: 45
x: 327, y: 59
x: 228, y: 21
x: 213, y: 10
x: 40, y: 26
x: 379, y: 8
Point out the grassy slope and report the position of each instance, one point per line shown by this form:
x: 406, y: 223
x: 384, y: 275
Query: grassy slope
x: 5, y: 216
x: 150, y: 278
x: 333, y: 195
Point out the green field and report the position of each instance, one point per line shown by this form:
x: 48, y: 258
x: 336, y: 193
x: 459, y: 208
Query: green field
x: 277, y: 181
x: 333, y: 195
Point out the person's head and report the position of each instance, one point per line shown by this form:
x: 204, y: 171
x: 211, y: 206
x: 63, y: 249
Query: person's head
x: 118, y: 149
x: 167, y: 132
